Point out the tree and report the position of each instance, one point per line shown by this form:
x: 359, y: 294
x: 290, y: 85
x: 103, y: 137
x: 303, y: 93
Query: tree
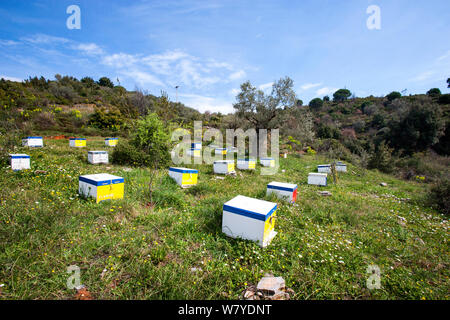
x: 341, y: 95
x: 105, y: 82
x: 393, y: 95
x: 299, y: 103
x: 434, y: 92
x: 448, y: 83
x: 260, y: 109
x: 316, y: 103
x: 88, y: 82
x: 326, y: 98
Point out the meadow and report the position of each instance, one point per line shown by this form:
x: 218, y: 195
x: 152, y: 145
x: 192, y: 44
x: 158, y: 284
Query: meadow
x: 174, y: 248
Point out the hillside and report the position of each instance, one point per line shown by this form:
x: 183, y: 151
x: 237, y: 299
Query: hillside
x: 131, y: 249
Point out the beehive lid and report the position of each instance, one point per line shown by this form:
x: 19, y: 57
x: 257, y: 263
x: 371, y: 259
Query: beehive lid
x: 246, y: 160
x: 250, y: 207
x: 182, y: 170
x: 112, y: 139
x: 323, y: 165
x: 223, y: 161
x: 267, y: 159
x: 221, y: 149
x: 195, y: 144
x: 32, y: 138
x: 19, y: 156
x: 97, y: 152
x: 282, y: 186
x: 101, y: 179
x: 77, y: 139
x: 314, y: 174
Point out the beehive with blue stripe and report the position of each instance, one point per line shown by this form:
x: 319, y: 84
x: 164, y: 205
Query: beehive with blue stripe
x: 246, y: 164
x: 33, y: 142
x: 101, y: 186
x: 77, y: 142
x: 19, y: 161
x: 318, y: 179
x: 220, y: 151
x: 284, y: 191
x: 223, y: 166
x: 250, y: 219
x: 111, y: 142
x: 267, y: 162
x: 184, y: 177
x: 97, y: 157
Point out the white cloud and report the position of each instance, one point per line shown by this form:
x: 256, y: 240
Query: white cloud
x: 308, y: 86
x: 8, y: 43
x: 444, y: 57
x: 10, y: 78
x: 141, y: 77
x: 423, y: 76
x: 45, y: 39
x: 265, y: 86
x: 120, y: 60
x: 204, y: 103
x: 326, y: 91
x: 89, y: 48
x: 234, y: 91
x: 237, y: 75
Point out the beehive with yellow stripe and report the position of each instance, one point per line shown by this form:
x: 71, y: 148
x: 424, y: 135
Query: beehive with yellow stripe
x: 184, y: 177
x: 267, y: 162
x: 101, y: 186
x: 224, y: 166
x: 77, y: 142
x: 111, y: 142
x: 246, y: 164
x: 250, y: 219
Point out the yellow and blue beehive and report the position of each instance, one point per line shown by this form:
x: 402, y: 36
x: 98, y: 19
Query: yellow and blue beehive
x: 185, y: 177
x: 111, y: 142
x: 77, y: 142
x: 220, y: 151
x: 250, y: 219
x: 95, y: 157
x: 284, y: 191
x: 101, y: 186
x: 19, y: 161
x: 341, y: 167
x: 246, y: 164
x: 33, y: 142
x: 196, y: 145
x: 224, y: 166
x: 194, y: 152
x: 267, y: 162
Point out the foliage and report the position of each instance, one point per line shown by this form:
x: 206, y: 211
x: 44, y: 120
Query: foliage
x: 381, y: 158
x: 103, y: 119
x: 434, y: 92
x: 439, y: 196
x: 341, y: 95
x: 316, y: 103
x: 105, y: 82
x: 393, y: 95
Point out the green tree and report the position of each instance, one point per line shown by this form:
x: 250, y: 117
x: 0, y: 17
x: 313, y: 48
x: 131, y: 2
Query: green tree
x: 88, y: 82
x: 393, y: 95
x: 448, y: 83
x: 316, y: 103
x: 105, y: 82
x: 434, y: 92
x: 381, y: 158
x: 341, y: 95
x: 326, y: 98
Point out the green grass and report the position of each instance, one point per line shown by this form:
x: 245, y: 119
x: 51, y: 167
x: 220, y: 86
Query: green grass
x: 323, y: 247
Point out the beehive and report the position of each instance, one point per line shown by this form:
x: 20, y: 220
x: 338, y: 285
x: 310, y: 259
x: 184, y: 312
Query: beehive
x: 19, y: 161
x: 324, y: 168
x: 220, y: 151
x: 341, y: 167
x: 267, y: 162
x: 33, y: 142
x: 194, y: 152
x: 196, y: 145
x: 232, y: 149
x: 250, y: 219
x: 185, y: 177
x: 285, y: 191
x: 95, y: 157
x: 101, y: 186
x: 246, y: 164
x: 77, y: 142
x: 224, y: 166
x: 319, y: 179
x: 111, y: 142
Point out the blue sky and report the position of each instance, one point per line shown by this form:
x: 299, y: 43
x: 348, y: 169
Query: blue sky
x: 209, y: 48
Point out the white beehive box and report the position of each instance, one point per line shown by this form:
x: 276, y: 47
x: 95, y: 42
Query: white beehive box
x: 196, y: 145
x: 33, y: 142
x: 246, y: 164
x: 285, y: 191
x: 111, y: 142
x: 224, y: 166
x: 232, y: 149
x: 267, y: 162
x: 220, y: 151
x: 77, y: 142
x: 96, y: 157
x: 324, y: 168
x: 319, y: 179
x: 185, y: 177
x: 101, y: 186
x: 249, y: 218
x: 19, y: 161
x: 341, y: 167
x: 194, y: 152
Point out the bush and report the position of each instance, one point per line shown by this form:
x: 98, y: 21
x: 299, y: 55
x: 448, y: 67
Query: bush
x: 434, y: 92
x: 101, y: 119
x: 381, y: 158
x: 341, y: 95
x: 393, y: 95
x: 127, y: 154
x: 316, y: 103
x: 439, y: 196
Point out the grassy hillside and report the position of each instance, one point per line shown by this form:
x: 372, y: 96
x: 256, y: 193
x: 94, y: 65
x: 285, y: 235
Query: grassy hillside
x: 130, y: 249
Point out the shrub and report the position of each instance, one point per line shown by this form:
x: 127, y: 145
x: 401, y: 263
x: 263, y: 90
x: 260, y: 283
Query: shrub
x: 341, y: 95
x: 316, y: 103
x: 381, y: 158
x: 101, y: 119
x: 439, y: 196
x: 127, y: 154
x: 393, y: 95
x: 434, y: 92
